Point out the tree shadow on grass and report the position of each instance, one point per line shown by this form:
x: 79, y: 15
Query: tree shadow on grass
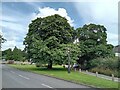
x: 46, y: 69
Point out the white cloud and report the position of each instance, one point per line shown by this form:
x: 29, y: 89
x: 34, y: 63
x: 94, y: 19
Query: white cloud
x: 13, y: 32
x: 11, y: 44
x: 47, y: 11
x: 13, y: 39
x: 104, y: 13
x: 8, y: 18
x: 112, y: 38
x: 14, y: 27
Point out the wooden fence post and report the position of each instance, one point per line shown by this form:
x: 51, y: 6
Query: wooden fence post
x: 96, y: 74
x: 75, y: 69
x: 86, y: 71
x: 79, y: 70
x: 113, y: 77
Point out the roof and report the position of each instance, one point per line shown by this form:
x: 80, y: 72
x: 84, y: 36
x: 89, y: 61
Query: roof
x: 117, y: 49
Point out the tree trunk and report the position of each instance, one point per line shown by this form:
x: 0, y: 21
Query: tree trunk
x: 50, y: 64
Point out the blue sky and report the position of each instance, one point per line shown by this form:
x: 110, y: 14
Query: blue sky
x: 16, y: 17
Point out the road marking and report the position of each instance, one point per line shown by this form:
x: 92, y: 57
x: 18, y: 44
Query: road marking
x: 24, y: 77
x: 47, y: 86
x: 12, y: 72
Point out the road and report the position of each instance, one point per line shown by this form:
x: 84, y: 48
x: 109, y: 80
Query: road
x: 14, y: 78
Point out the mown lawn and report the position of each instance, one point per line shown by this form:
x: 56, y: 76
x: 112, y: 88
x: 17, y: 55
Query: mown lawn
x: 77, y: 77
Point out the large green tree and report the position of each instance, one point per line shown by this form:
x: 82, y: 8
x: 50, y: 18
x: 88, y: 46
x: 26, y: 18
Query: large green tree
x: 93, y: 44
x: 45, y: 36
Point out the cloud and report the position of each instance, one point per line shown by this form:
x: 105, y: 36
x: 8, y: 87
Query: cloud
x: 98, y: 11
x: 11, y: 44
x: 14, y: 36
x: 112, y: 38
x: 13, y: 31
x: 8, y: 18
x: 33, y: 4
x: 47, y: 11
x: 104, y: 13
x: 14, y: 26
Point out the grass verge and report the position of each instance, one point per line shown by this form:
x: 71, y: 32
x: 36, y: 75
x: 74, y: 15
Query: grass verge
x: 76, y: 77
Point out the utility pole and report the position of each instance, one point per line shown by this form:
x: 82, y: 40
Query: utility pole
x: 68, y: 60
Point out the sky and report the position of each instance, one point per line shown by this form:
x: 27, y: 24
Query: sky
x: 16, y: 16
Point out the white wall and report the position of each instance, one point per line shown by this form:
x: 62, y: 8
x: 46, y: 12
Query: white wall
x: 117, y: 54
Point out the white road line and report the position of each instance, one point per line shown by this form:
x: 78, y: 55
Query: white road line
x: 46, y: 86
x: 12, y: 72
x: 24, y: 77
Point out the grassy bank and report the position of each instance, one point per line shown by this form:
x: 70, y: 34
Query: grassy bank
x: 77, y: 77
x: 107, y: 72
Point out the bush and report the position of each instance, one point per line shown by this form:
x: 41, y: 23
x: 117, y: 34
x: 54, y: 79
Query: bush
x: 110, y: 63
x: 106, y: 71
x: 107, y: 66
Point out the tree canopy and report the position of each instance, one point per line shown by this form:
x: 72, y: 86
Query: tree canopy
x: 7, y: 54
x: 15, y: 54
x: 18, y: 54
x: 93, y: 43
x: 45, y: 37
x: 49, y: 38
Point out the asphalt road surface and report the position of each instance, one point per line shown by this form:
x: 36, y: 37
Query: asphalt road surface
x: 14, y: 78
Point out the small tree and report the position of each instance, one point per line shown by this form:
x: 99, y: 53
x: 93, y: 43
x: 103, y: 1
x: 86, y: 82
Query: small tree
x: 74, y: 52
x: 2, y: 40
x: 7, y: 54
x: 18, y: 54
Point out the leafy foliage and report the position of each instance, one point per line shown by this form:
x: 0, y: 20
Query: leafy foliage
x: 107, y: 65
x: 49, y: 38
x: 93, y: 44
x: 16, y: 54
x: 2, y: 40
x: 7, y: 54
x: 107, y: 62
x: 45, y: 37
x: 71, y: 49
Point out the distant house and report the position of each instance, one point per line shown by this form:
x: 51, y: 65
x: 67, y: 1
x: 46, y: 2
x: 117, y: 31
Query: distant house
x: 117, y: 50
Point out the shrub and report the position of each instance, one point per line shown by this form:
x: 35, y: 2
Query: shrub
x: 107, y: 66
x: 110, y: 63
x: 106, y: 71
